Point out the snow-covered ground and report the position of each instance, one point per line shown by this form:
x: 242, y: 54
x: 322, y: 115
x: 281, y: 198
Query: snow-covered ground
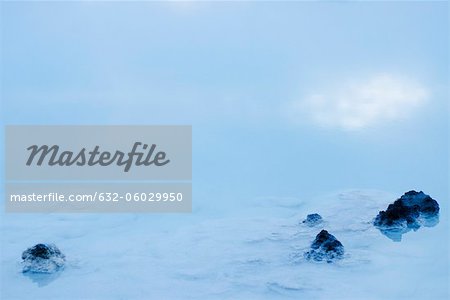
x: 254, y: 252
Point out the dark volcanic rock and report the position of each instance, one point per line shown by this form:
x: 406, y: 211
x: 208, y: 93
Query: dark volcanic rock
x: 312, y: 220
x: 325, y: 247
x: 42, y: 258
x: 411, y: 211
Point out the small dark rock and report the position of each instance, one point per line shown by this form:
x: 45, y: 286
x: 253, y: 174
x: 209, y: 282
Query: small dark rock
x: 411, y: 211
x: 312, y: 220
x: 42, y: 258
x: 325, y: 247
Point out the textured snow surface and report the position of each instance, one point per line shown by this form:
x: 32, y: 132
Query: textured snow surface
x: 254, y: 252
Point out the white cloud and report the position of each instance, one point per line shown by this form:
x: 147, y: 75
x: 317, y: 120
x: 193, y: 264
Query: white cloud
x: 357, y: 104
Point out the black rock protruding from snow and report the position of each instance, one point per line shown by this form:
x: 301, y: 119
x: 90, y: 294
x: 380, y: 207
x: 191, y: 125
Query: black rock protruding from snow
x: 312, y: 220
x: 325, y: 247
x: 411, y: 211
x: 42, y: 258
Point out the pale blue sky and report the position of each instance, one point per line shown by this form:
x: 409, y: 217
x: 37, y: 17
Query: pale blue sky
x: 285, y: 99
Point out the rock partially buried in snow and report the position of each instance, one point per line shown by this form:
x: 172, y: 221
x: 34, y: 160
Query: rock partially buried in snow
x: 411, y: 211
x: 42, y: 258
x: 325, y: 247
x: 312, y: 220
